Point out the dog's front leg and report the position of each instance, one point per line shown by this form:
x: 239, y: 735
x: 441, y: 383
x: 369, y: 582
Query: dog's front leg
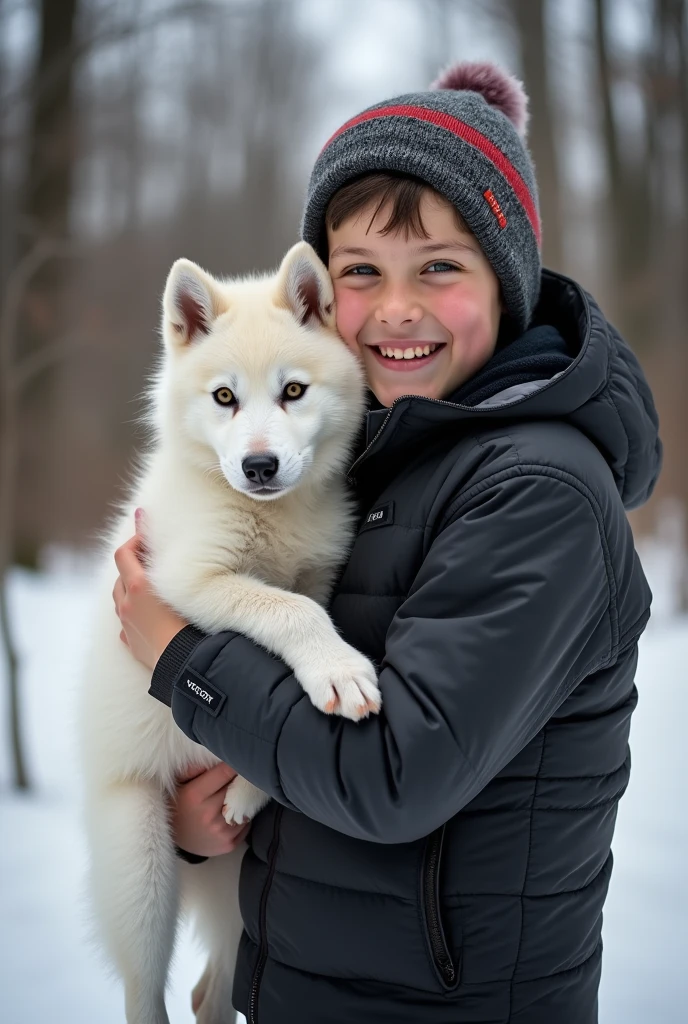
x: 134, y: 888
x: 336, y: 677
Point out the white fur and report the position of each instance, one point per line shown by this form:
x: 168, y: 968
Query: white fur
x: 224, y: 559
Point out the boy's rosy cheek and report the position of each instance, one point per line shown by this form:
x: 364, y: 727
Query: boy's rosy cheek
x: 455, y: 309
x: 465, y: 315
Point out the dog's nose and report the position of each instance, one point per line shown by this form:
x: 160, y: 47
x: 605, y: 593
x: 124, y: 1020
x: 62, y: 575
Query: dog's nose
x: 260, y: 468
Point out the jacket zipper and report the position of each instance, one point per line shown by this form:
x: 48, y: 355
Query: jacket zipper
x: 260, y: 966
x: 436, y: 401
x: 438, y: 942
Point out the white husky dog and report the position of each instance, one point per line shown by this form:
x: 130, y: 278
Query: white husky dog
x: 254, y: 409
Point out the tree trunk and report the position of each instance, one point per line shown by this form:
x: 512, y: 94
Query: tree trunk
x: 44, y: 214
x: 9, y: 453
x: 51, y: 129
x: 530, y: 20
x: 629, y: 201
x: 682, y: 43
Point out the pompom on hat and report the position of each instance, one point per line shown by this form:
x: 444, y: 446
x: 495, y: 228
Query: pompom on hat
x: 466, y: 138
x: 499, y: 89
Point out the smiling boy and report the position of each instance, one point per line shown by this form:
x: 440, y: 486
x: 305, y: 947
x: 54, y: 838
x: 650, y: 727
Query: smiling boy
x: 424, y: 315
x: 447, y: 860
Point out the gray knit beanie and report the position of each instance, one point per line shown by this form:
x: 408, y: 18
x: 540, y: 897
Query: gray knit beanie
x: 466, y: 139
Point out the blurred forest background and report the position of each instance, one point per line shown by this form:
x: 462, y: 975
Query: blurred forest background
x: 135, y: 132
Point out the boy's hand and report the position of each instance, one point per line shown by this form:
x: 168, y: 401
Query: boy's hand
x: 197, y: 823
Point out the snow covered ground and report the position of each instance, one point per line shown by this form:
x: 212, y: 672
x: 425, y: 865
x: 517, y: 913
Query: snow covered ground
x: 49, y: 972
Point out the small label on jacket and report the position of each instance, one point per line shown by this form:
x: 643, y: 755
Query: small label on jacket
x: 380, y: 516
x: 201, y: 692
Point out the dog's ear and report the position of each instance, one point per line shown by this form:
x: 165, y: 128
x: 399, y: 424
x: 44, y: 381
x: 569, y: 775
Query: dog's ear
x: 304, y: 286
x: 190, y: 304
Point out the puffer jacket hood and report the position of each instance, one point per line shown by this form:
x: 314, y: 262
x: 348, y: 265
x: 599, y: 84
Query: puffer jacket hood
x: 603, y: 392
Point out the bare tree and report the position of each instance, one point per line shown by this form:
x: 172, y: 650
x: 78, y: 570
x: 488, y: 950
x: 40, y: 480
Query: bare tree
x: 50, y: 157
x: 629, y: 195
x: 530, y: 19
x: 45, y: 202
x: 16, y: 373
x: 275, y: 99
x: 681, y: 23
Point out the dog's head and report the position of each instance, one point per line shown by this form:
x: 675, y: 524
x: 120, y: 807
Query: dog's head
x: 255, y: 381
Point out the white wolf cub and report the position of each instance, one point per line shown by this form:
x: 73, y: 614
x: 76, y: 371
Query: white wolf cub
x: 254, y: 409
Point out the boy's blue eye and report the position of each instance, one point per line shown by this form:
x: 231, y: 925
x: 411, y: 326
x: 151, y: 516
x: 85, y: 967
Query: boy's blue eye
x: 362, y: 270
x: 443, y: 264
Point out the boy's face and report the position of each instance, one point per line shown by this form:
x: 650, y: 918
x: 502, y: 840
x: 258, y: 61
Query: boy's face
x: 435, y: 297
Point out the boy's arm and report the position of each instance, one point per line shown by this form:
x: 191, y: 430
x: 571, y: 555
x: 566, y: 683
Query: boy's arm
x: 512, y: 607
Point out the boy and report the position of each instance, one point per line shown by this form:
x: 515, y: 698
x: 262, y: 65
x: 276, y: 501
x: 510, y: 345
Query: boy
x: 446, y: 861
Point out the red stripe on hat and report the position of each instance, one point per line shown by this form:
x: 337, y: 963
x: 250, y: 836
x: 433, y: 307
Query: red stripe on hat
x: 469, y: 135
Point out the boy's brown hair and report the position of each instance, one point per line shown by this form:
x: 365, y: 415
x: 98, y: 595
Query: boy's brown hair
x: 402, y: 192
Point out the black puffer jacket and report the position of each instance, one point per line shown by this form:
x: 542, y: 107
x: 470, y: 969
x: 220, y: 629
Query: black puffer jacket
x: 447, y: 861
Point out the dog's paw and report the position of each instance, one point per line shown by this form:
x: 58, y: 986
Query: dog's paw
x: 346, y: 685
x: 242, y: 802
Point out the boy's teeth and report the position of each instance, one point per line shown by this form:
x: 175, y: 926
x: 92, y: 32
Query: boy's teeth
x: 407, y: 353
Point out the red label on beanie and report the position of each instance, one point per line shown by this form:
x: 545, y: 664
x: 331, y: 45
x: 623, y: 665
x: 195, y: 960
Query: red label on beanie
x: 495, y: 207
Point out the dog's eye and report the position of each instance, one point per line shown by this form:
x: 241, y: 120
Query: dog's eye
x: 294, y: 391
x: 223, y: 396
